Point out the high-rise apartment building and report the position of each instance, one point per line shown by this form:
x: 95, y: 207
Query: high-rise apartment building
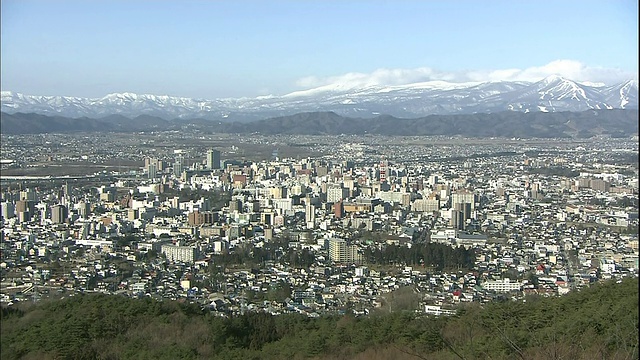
x: 338, y: 250
x: 384, y: 168
x: 341, y: 252
x: 336, y: 193
x: 310, y: 215
x: 600, y: 185
x: 185, y: 254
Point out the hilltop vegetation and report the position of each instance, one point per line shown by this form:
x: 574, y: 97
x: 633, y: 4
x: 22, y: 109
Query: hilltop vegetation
x: 599, y: 322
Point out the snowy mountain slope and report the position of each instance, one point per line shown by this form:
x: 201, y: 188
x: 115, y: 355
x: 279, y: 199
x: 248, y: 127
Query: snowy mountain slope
x: 623, y: 95
x: 553, y: 93
x: 556, y: 93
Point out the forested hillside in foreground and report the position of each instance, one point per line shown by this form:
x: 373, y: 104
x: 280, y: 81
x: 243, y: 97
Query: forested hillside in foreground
x: 600, y: 322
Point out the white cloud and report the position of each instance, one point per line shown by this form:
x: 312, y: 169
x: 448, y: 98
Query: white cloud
x: 570, y: 69
x: 379, y: 77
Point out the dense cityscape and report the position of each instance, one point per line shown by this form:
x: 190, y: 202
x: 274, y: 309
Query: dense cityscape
x: 313, y: 224
x: 326, y: 180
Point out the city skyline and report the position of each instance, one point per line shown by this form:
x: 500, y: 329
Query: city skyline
x: 247, y: 49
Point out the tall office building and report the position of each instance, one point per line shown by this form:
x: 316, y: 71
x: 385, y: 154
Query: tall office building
x: 178, y: 166
x: 8, y: 210
x: 153, y: 166
x: 278, y: 192
x: 28, y: 195
x: 464, y: 196
x: 24, y: 216
x: 25, y: 206
x: 235, y: 205
x: 153, y: 171
x: 338, y: 209
x: 213, y: 159
x: 84, y: 209
x: 464, y: 208
x: 67, y: 189
x: 58, y: 214
x: 457, y: 220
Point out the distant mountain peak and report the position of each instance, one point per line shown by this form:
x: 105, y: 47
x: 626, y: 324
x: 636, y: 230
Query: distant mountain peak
x: 553, y: 77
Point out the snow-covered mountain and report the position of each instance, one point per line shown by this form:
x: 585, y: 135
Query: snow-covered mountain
x: 551, y: 94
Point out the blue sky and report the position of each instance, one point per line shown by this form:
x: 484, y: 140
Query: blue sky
x: 216, y: 49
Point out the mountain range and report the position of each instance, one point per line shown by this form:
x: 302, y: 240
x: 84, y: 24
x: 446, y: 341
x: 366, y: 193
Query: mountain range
x: 552, y: 94
x: 615, y: 123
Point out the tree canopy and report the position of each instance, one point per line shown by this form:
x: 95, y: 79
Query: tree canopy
x: 600, y: 321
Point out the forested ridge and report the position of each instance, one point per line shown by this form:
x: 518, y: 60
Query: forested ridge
x: 583, y: 124
x: 600, y: 322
